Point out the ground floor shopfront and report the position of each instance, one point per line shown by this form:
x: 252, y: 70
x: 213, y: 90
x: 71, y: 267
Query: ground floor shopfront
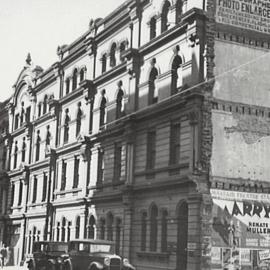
x: 179, y: 229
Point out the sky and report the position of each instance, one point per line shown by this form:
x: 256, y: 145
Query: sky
x: 38, y: 27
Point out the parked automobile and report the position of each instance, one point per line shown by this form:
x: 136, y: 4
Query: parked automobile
x: 77, y: 255
x: 45, y: 255
x: 93, y: 255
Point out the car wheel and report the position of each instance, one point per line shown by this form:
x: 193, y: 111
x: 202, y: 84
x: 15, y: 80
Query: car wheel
x: 51, y: 266
x: 93, y: 267
x: 66, y: 266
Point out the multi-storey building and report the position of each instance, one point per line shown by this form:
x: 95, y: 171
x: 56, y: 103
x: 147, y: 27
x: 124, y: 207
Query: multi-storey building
x: 143, y: 133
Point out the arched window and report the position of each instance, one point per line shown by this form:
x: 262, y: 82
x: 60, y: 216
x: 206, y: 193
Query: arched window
x: 176, y: 74
x: 119, y: 102
x: 112, y: 55
x: 38, y: 145
x: 82, y: 74
x: 182, y: 236
x: 78, y: 119
x: 91, y: 227
x: 45, y: 104
x: 164, y: 16
x: 23, y: 149
x: 63, y: 229
x: 102, y: 229
x: 178, y: 10
x: 109, y: 222
x: 66, y: 127
x: 102, y: 110
x: 122, y: 49
x: 44, y: 190
x: 34, y: 234
x: 67, y: 85
x: 44, y: 233
x: 15, y: 155
x: 164, y: 231
x: 12, y: 194
x: 153, y: 227
x: 77, y: 230
x: 35, y: 183
x: 38, y: 236
x: 153, y: 94
x: 117, y: 236
x: 20, y: 193
x: 22, y: 114
x: 48, y: 139
x: 143, y: 231
x: 29, y: 242
x: 74, y: 79
x: 100, y: 167
x: 68, y: 230
x: 39, y: 109
x: 153, y: 28
x: 103, y: 63
x: 58, y: 232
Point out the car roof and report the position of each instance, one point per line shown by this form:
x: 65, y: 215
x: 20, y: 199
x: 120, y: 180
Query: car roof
x: 49, y: 242
x: 92, y: 241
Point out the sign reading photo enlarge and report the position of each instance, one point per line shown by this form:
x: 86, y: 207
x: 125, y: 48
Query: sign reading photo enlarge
x: 247, y: 14
x: 241, y: 229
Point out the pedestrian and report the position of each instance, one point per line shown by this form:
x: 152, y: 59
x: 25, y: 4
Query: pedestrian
x: 3, y: 255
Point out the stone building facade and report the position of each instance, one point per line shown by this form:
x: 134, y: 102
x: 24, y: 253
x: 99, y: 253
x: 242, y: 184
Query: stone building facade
x: 132, y: 136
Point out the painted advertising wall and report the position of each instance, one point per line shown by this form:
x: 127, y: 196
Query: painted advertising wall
x: 241, y: 230
x: 248, y: 14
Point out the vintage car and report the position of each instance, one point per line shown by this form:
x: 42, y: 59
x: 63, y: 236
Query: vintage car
x: 92, y: 255
x: 45, y: 255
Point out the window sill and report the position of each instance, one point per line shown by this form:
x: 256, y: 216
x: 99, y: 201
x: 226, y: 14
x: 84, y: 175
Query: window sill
x: 73, y: 190
x: 154, y: 255
x: 18, y: 207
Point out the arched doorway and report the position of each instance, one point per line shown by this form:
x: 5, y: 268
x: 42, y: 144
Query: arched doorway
x: 182, y: 236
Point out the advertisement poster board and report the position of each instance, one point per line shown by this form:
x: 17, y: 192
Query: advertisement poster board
x: 245, y: 14
x: 241, y: 230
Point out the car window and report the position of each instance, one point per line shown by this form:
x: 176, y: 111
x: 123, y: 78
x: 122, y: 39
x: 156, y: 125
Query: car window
x: 84, y: 247
x: 58, y: 247
x: 40, y: 247
x: 100, y: 248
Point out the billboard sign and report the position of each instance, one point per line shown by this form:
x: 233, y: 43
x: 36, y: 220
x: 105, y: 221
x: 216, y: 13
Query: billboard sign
x: 241, y: 228
x: 247, y: 14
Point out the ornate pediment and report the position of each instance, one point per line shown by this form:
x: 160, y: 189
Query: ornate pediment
x: 26, y: 79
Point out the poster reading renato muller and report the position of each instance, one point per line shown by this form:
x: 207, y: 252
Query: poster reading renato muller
x: 241, y: 228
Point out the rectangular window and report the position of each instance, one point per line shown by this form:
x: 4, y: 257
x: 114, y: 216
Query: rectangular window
x: 12, y: 194
x: 28, y: 112
x: 175, y: 143
x: 63, y: 176
x: 117, y: 162
x: 100, y: 172
x: 34, y: 198
x: 76, y: 172
x: 20, y: 193
x: 17, y: 116
x: 151, y: 150
x: 44, y: 191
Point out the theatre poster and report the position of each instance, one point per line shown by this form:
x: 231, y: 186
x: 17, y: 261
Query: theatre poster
x: 241, y: 230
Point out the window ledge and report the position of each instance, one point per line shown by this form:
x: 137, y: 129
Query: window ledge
x: 18, y: 207
x: 154, y: 255
x: 74, y: 190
